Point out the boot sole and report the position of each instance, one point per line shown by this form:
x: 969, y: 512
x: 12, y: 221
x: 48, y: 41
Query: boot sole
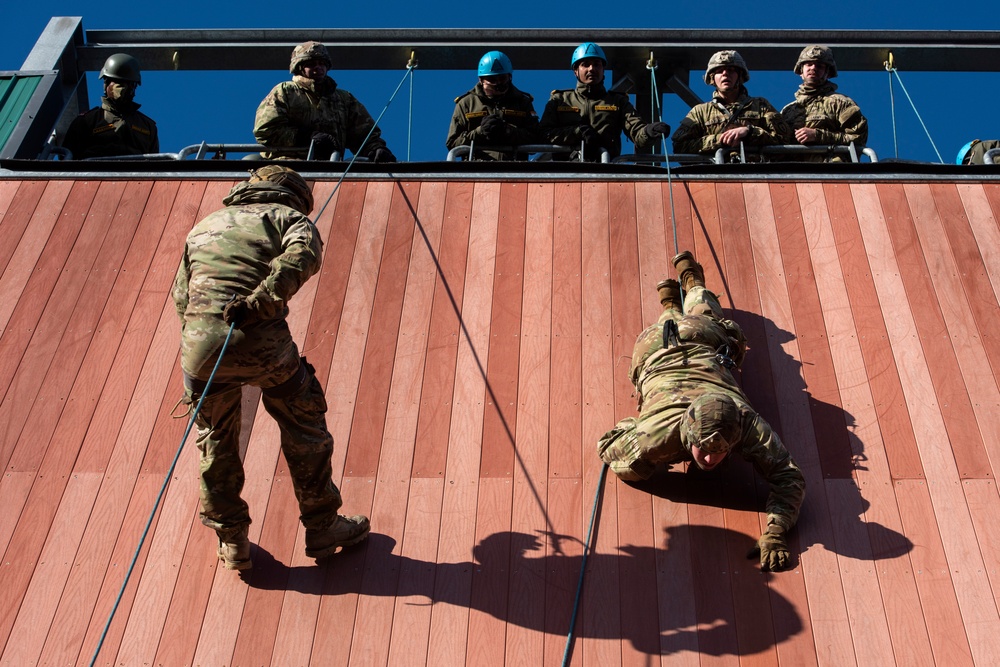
x: 332, y: 549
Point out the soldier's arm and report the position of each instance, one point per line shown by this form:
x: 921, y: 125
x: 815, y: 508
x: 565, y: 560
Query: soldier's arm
x: 459, y: 133
x: 300, y: 259
x: 853, y: 124
x: 180, y: 289
x: 566, y: 135
x: 272, y: 125
x: 525, y: 130
x: 774, y: 131
x: 635, y: 127
x: 691, y: 136
x: 763, y: 447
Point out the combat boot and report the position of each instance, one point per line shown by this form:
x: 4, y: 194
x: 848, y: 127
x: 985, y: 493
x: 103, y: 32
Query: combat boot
x: 691, y: 273
x: 670, y: 294
x: 343, y: 532
x: 234, y: 548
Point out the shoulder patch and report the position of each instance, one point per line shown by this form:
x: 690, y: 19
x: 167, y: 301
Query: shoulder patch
x: 606, y: 107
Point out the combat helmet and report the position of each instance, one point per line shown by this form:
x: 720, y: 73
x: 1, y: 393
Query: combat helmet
x: 588, y: 50
x: 724, y: 58
x: 493, y: 63
x: 307, y: 51
x: 123, y: 67
x: 963, y: 152
x: 289, y: 179
x: 711, y: 423
x: 816, y: 53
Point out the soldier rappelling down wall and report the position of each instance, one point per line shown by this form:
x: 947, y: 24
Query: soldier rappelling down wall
x: 692, y: 409
x: 117, y: 127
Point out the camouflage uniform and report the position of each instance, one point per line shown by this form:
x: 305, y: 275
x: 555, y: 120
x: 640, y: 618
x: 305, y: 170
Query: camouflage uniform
x: 294, y: 109
x: 515, y: 108
x: 836, y: 118
x: 568, y: 111
x: 262, y: 247
x: 699, y: 131
x: 669, y: 378
x: 114, y: 128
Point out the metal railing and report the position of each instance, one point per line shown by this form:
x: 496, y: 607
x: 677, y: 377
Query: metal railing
x: 545, y: 151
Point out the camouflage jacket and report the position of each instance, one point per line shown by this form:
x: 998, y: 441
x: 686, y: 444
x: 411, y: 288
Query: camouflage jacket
x: 294, y: 109
x: 112, y: 129
x: 668, y: 379
x: 258, y: 246
x: 699, y: 131
x: 515, y: 108
x: 568, y: 111
x: 836, y: 118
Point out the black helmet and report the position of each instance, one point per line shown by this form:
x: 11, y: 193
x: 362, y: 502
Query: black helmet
x: 123, y: 67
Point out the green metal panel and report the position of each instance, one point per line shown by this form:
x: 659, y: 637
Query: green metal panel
x: 15, y: 93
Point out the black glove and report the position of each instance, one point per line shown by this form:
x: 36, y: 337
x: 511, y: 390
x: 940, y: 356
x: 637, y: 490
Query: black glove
x: 382, y: 155
x: 323, y: 145
x: 657, y: 129
x: 238, y: 312
x: 772, y: 548
x: 492, y: 128
x: 590, y: 136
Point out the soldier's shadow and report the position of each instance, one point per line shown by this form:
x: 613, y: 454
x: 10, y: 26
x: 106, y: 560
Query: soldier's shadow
x: 530, y: 580
x: 839, y: 452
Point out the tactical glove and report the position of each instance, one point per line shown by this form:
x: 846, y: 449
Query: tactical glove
x: 238, y: 312
x: 323, y: 145
x: 772, y: 548
x: 657, y: 129
x: 492, y: 128
x: 382, y: 155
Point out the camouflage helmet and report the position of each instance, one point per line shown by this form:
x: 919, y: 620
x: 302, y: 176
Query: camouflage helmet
x: 289, y: 179
x: 726, y: 58
x: 123, y: 67
x: 817, y: 53
x: 307, y: 51
x: 711, y: 423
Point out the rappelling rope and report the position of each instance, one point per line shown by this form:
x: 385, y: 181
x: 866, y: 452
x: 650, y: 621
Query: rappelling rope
x: 891, y: 69
x: 159, y: 497
x: 410, y: 66
x: 583, y: 563
x: 657, y: 112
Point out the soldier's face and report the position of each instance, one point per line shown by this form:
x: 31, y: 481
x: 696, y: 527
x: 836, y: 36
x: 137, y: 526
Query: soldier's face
x: 314, y: 69
x: 496, y: 85
x: 116, y: 90
x: 590, y: 70
x: 707, y: 461
x: 814, y: 73
x: 726, y: 78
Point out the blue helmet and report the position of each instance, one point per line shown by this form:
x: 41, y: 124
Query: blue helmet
x: 963, y: 151
x: 493, y: 63
x: 588, y: 50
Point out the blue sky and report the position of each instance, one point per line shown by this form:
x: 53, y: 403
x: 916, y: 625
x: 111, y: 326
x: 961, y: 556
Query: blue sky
x: 218, y: 106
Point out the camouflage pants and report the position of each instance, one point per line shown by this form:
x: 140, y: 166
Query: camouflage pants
x: 300, y: 411
x: 636, y: 444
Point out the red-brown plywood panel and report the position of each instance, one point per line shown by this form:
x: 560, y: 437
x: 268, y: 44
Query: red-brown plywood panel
x: 563, y: 550
x: 917, y: 238
x: 939, y: 605
x: 625, y: 289
x: 20, y: 216
x: 654, y: 256
x: 449, y: 637
x: 567, y: 371
x: 984, y: 505
x: 500, y: 414
x: 383, y: 334
x: 347, y: 362
x: 637, y: 537
x: 339, y: 245
x: 802, y: 210
x: 411, y: 617
x: 26, y: 634
x: 847, y: 204
x: 443, y: 333
x: 8, y: 188
x: 496, y: 548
